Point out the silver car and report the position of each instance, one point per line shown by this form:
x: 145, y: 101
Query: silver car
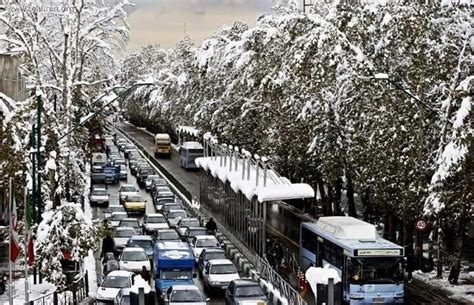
x: 123, y: 172
x: 184, y: 295
x: 99, y: 196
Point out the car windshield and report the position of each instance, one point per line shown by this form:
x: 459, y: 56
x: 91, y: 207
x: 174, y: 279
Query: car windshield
x: 214, y: 255
x: 172, y: 207
x: 134, y: 198
x: 206, y: 243
x: 223, y: 269
x: 168, y: 235
x: 128, y: 189
x: 160, y: 182
x: 151, y: 177
x: 165, y: 200
x: 134, y: 256
x: 249, y: 291
x: 118, y: 216
x: 185, y: 223
x: 125, y: 233
x: 129, y: 223
x: 377, y: 270
x: 176, y: 214
x: 145, y: 244
x: 99, y: 192
x: 116, y: 282
x: 186, y: 296
x: 175, y: 274
x: 156, y: 219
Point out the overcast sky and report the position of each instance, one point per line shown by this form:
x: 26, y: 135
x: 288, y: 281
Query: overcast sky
x: 165, y: 21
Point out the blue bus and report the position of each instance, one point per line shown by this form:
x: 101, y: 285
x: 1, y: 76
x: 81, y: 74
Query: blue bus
x: 188, y: 152
x: 370, y: 267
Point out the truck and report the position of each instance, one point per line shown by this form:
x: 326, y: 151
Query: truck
x: 174, y: 265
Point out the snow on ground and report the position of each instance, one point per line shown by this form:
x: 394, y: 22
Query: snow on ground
x: 36, y: 291
x: 89, y: 261
x: 464, y: 291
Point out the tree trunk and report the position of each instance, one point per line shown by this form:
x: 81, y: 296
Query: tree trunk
x: 439, y: 265
x: 458, y: 251
x: 338, y: 195
x: 331, y: 202
x: 324, y: 199
x: 392, y: 225
x: 350, y: 195
x: 366, y: 205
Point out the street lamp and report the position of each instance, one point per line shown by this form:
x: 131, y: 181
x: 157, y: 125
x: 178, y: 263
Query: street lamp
x: 384, y: 76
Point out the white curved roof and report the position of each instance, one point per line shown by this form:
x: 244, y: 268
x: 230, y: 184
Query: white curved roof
x: 345, y: 227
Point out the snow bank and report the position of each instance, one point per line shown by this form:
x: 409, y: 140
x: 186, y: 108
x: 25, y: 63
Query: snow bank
x: 277, y: 187
x: 139, y: 283
x: 189, y: 130
x: 36, y: 291
x: 316, y: 275
x: 89, y: 265
x: 464, y: 291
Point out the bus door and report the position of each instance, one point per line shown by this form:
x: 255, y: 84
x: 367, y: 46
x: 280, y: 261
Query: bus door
x: 319, y: 252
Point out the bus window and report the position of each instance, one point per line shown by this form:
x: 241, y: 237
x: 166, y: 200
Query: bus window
x: 309, y: 240
x: 375, y: 270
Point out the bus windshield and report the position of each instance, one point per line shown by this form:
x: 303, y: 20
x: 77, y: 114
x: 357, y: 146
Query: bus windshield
x: 378, y: 270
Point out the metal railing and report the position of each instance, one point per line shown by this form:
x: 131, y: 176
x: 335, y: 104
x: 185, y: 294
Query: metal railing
x: 70, y: 295
x: 267, y: 273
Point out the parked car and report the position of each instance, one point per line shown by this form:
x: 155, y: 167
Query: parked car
x: 218, y: 273
x: 121, y: 236
x: 99, y: 196
x: 149, y: 181
x: 166, y: 235
x: 134, y: 204
x: 127, y: 190
x: 207, y: 255
x: 114, y: 218
x: 133, y: 259
x: 111, y: 285
x: 244, y: 291
x: 130, y: 222
x: 191, y: 232
x: 202, y: 242
x: 184, y: 295
x: 174, y: 216
x: 153, y: 222
x: 143, y: 241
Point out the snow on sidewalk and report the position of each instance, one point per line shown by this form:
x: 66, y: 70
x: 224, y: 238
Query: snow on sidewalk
x: 464, y: 291
x: 36, y: 291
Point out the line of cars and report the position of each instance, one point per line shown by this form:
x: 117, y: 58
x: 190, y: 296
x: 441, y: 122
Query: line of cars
x: 169, y: 243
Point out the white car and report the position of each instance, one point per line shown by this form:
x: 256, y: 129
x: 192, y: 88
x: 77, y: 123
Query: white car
x: 218, y: 274
x: 174, y: 216
x: 184, y: 295
x: 114, y: 218
x: 133, y: 259
x: 111, y: 285
x: 121, y: 237
x: 99, y: 196
x: 153, y: 222
x: 127, y: 190
x: 202, y: 242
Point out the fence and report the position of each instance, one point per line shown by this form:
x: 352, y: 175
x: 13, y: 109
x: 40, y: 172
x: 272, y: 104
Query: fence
x: 70, y: 295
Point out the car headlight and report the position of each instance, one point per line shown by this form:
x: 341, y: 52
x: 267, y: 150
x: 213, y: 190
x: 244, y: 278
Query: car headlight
x: 214, y: 282
x: 356, y: 295
x: 399, y: 294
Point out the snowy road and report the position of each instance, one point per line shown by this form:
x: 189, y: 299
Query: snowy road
x: 98, y: 213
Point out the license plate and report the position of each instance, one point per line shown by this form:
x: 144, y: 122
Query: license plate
x: 378, y: 300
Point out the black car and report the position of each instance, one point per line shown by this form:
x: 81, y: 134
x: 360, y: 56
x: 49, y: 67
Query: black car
x: 143, y: 174
x: 240, y: 291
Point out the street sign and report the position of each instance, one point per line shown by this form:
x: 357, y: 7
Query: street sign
x: 421, y: 225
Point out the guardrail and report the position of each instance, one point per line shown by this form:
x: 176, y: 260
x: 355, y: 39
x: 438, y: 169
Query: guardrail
x: 70, y: 295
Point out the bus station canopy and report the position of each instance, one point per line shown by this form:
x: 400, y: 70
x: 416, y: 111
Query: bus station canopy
x: 276, y: 188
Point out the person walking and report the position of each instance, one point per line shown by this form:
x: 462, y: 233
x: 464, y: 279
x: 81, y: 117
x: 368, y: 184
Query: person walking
x: 211, y: 226
x: 108, y: 244
x: 145, y: 274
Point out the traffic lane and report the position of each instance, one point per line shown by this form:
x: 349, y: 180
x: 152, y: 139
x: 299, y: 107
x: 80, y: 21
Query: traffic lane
x: 98, y: 213
x: 190, y: 179
x: 283, y: 222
